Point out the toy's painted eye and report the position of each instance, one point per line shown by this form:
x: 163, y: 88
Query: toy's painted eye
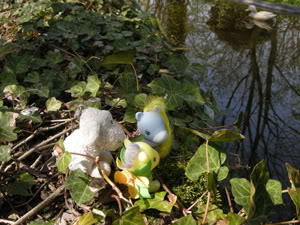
x: 154, y: 159
x: 147, y: 132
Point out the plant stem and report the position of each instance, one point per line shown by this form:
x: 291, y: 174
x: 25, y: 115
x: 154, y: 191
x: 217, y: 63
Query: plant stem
x: 136, y: 77
x: 208, y: 196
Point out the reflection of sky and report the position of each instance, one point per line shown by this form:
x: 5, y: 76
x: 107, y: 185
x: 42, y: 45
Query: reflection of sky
x: 224, y: 70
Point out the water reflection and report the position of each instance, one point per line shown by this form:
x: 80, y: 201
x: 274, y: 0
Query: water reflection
x: 258, y: 75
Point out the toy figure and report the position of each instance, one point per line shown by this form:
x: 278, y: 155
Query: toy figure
x: 97, y: 135
x: 137, y: 162
x: 153, y: 123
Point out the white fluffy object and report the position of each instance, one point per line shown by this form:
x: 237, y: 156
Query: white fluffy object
x: 98, y: 134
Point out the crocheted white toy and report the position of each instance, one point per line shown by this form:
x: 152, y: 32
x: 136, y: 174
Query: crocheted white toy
x: 97, y: 135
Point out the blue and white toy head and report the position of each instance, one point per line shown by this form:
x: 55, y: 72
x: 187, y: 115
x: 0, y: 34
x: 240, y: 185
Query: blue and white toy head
x: 151, y: 125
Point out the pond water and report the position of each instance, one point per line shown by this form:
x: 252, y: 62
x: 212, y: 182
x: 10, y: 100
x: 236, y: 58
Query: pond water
x: 254, y: 69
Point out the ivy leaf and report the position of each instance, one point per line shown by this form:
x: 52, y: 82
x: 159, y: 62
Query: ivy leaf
x: 116, y: 102
x: 140, y: 100
x: 157, y: 202
x: 294, y: 192
x: 77, y: 90
x: 6, y: 129
x: 77, y: 182
x: 54, y: 57
x: 166, y: 85
x: 294, y: 176
x: 64, y: 162
x: 225, y: 135
x: 130, y: 115
x: 274, y: 189
x: 8, y: 48
x: 197, y: 164
x: 200, y: 134
x: 235, y: 219
x: 53, y: 104
x: 260, y: 199
x: 121, y: 57
x: 130, y: 217
x: 93, y: 85
x: 22, y: 186
x: 18, y: 93
x: 32, y: 77
x: 5, y: 153
x: 87, y: 219
x: 214, y: 213
x: 186, y: 220
x: 295, y: 196
x: 192, y: 94
x: 241, y: 192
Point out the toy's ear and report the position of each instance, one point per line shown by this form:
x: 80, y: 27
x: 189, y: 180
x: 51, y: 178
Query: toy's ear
x: 156, y: 109
x: 139, y: 116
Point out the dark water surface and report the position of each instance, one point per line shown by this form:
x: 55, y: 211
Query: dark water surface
x: 257, y: 72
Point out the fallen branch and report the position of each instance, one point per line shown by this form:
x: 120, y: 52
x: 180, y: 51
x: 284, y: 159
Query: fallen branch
x: 40, y: 206
x: 30, y: 151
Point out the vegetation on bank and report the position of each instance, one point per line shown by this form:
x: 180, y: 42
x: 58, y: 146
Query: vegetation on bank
x: 56, y: 55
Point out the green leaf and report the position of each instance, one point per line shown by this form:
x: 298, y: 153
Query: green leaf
x: 166, y: 85
x: 121, y: 57
x: 77, y: 90
x: 128, y: 84
x: 225, y: 135
x: 157, y: 202
x: 64, y: 162
x: 261, y: 202
x: 294, y: 176
x: 295, y: 196
x: 53, y: 104
x: 54, y: 57
x: 140, y: 100
x: 186, y: 220
x: 200, y: 134
x: 93, y: 85
x: 116, y: 102
x: 294, y: 192
x: 241, y: 192
x: 17, y: 92
x: 32, y: 77
x: 130, y: 217
x: 176, y: 92
x: 214, y: 213
x: 130, y: 115
x: 6, y: 129
x: 274, y: 189
x: 223, y: 173
x: 87, y: 219
x: 235, y: 219
x: 5, y: 153
x: 77, y: 182
x: 22, y: 186
x: 8, y: 48
x: 197, y: 164
x: 192, y: 94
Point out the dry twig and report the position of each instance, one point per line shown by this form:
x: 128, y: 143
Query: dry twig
x: 40, y: 206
